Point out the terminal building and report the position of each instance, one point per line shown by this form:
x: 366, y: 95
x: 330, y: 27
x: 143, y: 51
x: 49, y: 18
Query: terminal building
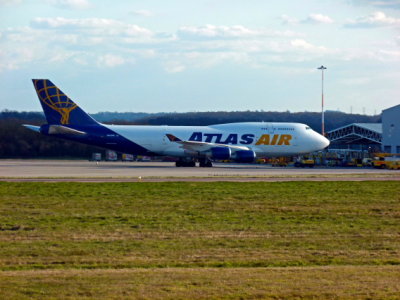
x: 391, y: 130
x: 369, y: 137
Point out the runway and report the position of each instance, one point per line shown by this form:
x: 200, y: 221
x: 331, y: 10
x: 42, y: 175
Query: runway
x: 87, y: 171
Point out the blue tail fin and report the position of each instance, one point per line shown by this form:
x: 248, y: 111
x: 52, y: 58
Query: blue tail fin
x: 57, y: 107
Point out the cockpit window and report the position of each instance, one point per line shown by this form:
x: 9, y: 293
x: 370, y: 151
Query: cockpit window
x: 308, y: 128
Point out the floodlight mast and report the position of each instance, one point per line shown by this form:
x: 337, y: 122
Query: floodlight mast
x: 322, y: 68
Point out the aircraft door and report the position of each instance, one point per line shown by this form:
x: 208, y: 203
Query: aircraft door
x: 271, y: 128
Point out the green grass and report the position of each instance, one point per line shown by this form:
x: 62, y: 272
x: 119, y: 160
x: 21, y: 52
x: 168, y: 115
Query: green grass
x: 341, y: 282
x: 197, y: 226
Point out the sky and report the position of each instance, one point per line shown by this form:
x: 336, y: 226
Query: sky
x: 203, y: 55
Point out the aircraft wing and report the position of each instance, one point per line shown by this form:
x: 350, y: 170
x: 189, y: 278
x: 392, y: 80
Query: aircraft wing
x: 203, y: 146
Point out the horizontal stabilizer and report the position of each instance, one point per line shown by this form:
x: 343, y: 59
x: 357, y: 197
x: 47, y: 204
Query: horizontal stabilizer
x: 32, y: 127
x: 59, y: 129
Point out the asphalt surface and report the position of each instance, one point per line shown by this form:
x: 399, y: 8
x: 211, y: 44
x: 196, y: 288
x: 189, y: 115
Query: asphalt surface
x: 87, y: 171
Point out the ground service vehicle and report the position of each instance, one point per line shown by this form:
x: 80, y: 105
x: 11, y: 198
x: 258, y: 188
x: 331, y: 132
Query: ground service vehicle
x: 304, y: 162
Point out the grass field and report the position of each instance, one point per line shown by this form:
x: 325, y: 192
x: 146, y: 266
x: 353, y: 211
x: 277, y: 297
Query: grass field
x: 184, y: 240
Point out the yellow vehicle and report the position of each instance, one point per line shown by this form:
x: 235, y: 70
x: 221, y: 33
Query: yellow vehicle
x: 304, y: 162
x: 379, y: 162
x: 386, y: 160
x: 261, y: 161
x: 393, y: 165
x: 279, y: 161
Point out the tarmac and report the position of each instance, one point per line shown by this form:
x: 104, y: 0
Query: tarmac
x: 89, y: 171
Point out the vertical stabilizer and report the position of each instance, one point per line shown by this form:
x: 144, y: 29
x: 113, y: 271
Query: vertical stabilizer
x: 58, y: 107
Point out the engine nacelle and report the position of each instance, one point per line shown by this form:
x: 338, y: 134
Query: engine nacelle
x: 244, y: 156
x: 220, y: 153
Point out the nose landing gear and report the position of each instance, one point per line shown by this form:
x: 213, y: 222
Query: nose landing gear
x: 205, y: 163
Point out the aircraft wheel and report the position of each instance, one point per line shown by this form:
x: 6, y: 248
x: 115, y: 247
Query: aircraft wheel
x: 205, y: 163
x: 202, y: 163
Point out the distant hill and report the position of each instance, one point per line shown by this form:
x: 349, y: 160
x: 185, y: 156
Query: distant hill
x: 100, y: 116
x: 332, y: 119
x: 107, y: 116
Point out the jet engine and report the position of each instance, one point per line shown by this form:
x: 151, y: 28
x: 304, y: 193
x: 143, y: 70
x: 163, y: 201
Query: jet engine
x: 244, y: 156
x: 220, y: 153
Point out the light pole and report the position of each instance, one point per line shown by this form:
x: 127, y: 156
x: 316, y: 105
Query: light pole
x: 322, y: 68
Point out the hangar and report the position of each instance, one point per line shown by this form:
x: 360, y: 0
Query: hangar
x: 371, y: 137
x: 357, y: 136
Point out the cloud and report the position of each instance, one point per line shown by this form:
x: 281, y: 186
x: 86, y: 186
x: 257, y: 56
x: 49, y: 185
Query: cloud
x: 311, y: 19
x: 318, y: 19
x: 376, y: 19
x: 71, y: 4
x: 212, y: 31
x: 289, y: 20
x: 174, y: 67
x: 143, y: 13
x: 308, y: 47
x: 209, y: 32
x: 391, y: 4
x: 94, y: 25
x: 395, y: 4
x: 110, y: 60
x: 10, y: 2
x: 93, y: 41
x: 107, y: 43
x: 390, y: 55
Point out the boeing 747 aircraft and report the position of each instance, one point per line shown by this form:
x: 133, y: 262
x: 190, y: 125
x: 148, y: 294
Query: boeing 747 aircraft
x: 241, y: 142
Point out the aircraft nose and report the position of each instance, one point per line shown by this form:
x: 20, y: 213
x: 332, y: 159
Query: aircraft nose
x: 324, y: 142
x: 319, y: 142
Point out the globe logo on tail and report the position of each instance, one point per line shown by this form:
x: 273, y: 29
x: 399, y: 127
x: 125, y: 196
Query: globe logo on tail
x: 54, y: 98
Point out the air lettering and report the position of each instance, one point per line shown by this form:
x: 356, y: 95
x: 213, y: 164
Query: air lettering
x: 277, y: 139
x: 245, y: 139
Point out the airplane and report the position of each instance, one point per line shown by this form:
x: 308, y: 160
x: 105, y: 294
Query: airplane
x: 240, y: 142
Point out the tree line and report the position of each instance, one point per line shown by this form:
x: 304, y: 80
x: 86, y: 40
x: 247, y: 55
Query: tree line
x: 17, y: 141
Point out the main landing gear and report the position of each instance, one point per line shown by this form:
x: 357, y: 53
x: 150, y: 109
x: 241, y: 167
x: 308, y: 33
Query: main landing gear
x: 185, y: 163
x: 203, y: 163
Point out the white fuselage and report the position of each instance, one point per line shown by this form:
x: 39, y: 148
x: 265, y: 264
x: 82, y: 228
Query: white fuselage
x: 265, y: 139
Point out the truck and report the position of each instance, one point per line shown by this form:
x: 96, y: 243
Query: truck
x: 386, y: 161
x: 304, y: 162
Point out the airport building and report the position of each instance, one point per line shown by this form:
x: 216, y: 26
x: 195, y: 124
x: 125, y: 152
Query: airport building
x: 369, y: 137
x: 357, y: 137
x: 391, y: 130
